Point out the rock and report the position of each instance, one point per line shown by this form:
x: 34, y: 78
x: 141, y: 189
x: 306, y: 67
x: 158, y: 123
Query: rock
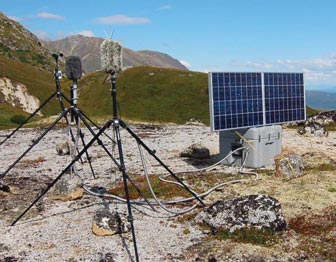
x: 69, y: 187
x: 194, y: 122
x: 289, y: 166
x: 196, y: 151
x: 107, y: 223
x: 4, y: 188
x: 63, y: 149
x: 259, y: 211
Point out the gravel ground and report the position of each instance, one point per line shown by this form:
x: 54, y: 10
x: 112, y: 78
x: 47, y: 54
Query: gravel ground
x: 61, y: 231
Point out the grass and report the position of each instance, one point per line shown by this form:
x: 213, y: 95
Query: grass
x: 311, y: 111
x: 262, y: 237
x: 162, y: 190
x: 40, y: 83
x: 150, y: 94
x: 316, y: 233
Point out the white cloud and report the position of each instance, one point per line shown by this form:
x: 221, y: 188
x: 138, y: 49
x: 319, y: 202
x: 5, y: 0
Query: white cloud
x: 42, y: 35
x: 86, y: 33
x: 15, y: 18
x: 49, y: 16
x: 164, y: 7
x: 256, y: 65
x: 317, y: 71
x: 121, y: 20
x: 185, y: 63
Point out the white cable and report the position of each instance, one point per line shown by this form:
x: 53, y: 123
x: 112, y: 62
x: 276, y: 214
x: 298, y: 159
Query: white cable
x: 152, y: 191
x: 161, y: 203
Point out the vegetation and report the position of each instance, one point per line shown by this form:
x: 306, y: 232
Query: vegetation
x: 18, y: 119
x: 145, y: 94
x: 311, y: 111
x: 315, y: 231
x: 40, y: 83
x: 149, y: 94
x: 251, y: 235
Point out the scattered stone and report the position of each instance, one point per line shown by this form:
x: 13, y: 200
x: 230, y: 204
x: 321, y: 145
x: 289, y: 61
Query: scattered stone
x: 107, y: 223
x: 194, y: 122
x: 259, y: 211
x: 4, y: 188
x: 316, y: 125
x: 212, y: 258
x: 69, y: 187
x: 289, y: 166
x: 63, y: 149
x: 196, y: 151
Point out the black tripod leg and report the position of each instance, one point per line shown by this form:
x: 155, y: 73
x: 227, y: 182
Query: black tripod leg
x: 123, y: 170
x: 30, y: 117
x: 36, y: 141
x: 81, y: 134
x: 95, y: 125
x: 107, y: 125
x: 60, y: 95
x: 152, y: 153
x: 82, y: 117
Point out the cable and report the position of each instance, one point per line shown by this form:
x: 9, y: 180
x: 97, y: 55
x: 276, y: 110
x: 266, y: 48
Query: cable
x: 202, y: 195
x: 152, y: 191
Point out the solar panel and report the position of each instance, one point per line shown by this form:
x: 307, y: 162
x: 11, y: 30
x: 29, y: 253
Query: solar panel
x: 241, y: 100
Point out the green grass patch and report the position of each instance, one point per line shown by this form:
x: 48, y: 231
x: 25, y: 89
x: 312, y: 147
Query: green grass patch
x: 262, y: 237
x: 332, y: 189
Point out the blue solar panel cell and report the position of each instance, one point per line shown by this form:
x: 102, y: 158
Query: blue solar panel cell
x: 241, y: 100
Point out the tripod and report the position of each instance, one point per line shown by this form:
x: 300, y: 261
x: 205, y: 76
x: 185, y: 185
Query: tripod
x: 116, y: 123
x: 73, y: 109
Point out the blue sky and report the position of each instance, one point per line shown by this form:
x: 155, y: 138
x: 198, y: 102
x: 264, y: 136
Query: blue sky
x: 213, y: 35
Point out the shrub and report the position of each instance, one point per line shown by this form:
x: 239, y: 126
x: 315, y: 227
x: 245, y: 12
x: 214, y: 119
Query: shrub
x: 18, y: 119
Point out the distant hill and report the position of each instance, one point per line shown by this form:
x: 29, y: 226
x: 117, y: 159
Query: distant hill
x: 321, y: 100
x: 88, y: 49
x: 149, y: 94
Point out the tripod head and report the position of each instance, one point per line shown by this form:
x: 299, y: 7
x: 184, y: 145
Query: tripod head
x: 73, y: 71
x: 57, y: 72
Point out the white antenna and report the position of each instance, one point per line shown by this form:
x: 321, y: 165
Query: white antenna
x: 109, y: 35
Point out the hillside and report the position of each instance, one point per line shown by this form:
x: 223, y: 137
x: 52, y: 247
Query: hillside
x: 39, y: 83
x: 149, y: 94
x: 19, y: 44
x: 88, y: 49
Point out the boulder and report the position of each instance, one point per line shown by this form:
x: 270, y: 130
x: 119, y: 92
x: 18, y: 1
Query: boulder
x: 258, y: 211
x: 107, y: 223
x: 196, y: 151
x: 69, y: 187
x: 289, y: 166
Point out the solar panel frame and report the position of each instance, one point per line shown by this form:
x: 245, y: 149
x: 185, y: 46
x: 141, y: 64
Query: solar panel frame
x: 238, y: 99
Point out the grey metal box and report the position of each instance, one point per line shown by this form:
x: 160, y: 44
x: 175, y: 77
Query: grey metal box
x: 263, y: 144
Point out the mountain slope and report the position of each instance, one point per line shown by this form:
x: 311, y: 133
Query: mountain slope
x: 149, y: 94
x: 18, y: 43
x: 88, y: 49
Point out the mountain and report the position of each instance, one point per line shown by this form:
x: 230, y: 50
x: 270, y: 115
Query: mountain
x: 88, y: 49
x: 321, y: 100
x: 18, y: 43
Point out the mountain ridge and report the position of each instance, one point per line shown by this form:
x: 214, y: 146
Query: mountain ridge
x: 88, y: 49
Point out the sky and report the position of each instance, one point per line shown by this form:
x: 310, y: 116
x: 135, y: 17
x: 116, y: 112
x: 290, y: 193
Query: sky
x: 212, y: 35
